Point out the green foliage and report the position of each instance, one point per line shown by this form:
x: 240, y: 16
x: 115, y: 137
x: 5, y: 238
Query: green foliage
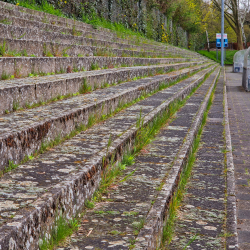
x: 187, y: 14
x: 43, y: 6
x: 5, y: 76
x: 5, y: 21
x: 89, y: 204
x: 11, y: 166
x: 15, y: 105
x: 94, y: 66
x: 109, y: 176
x: 3, y: 48
x: 128, y: 159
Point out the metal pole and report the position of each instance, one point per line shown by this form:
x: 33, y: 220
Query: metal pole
x: 222, y: 33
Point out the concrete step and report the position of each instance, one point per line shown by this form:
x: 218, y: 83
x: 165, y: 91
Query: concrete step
x: 132, y: 212
x: 91, y: 37
x: 203, y: 211
x: 34, y: 15
x: 40, y: 33
x: 24, y: 66
x: 11, y: 18
x: 30, y: 16
x: 17, y: 27
x: 33, y: 90
x: 9, y: 10
x: 29, y: 23
x: 60, y: 181
x: 22, y: 133
x: 23, y: 47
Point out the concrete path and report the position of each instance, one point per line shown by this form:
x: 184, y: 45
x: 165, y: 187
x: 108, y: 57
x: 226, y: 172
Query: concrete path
x: 239, y: 121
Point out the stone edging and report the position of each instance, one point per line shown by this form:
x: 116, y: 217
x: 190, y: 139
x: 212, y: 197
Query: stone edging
x: 150, y: 235
x: 232, y: 242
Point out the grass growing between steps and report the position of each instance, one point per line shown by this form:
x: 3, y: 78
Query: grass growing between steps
x: 62, y: 230
x: 113, y: 171
x: 168, y: 229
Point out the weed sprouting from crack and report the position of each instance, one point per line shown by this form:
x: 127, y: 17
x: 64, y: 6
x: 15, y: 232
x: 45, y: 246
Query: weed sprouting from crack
x: 62, y: 229
x: 3, y: 49
x: 85, y: 88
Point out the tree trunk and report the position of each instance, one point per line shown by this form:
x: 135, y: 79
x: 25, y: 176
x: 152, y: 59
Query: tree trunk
x: 239, y: 39
x: 189, y: 40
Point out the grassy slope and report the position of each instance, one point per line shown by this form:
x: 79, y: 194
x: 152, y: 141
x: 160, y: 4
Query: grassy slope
x: 212, y: 55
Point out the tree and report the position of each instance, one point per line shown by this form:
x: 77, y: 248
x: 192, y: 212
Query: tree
x: 235, y: 14
x: 185, y: 13
x: 211, y: 19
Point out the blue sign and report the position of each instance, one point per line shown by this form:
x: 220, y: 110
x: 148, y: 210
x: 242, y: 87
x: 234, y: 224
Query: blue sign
x: 218, y: 41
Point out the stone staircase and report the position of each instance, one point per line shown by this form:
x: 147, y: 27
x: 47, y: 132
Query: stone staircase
x: 70, y: 98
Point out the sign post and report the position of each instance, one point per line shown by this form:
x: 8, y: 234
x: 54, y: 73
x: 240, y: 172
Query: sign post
x: 222, y: 32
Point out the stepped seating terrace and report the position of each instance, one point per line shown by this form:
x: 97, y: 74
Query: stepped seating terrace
x: 84, y: 95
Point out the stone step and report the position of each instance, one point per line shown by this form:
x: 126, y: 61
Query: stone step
x: 90, y: 37
x: 24, y: 66
x: 34, y: 15
x: 19, y: 27
x: 130, y: 217
x: 37, y: 16
x: 43, y: 26
x: 63, y: 178
x: 54, y: 33
x: 27, y: 29
x: 44, y: 18
x: 21, y: 93
x: 22, y: 133
x: 203, y: 211
x: 23, y: 47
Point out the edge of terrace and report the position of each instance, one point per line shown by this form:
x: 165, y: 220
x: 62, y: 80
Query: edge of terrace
x: 232, y: 240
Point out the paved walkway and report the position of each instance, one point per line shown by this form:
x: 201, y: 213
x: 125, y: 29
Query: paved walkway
x: 239, y: 119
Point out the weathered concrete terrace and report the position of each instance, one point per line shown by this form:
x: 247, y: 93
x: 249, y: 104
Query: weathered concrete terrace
x: 23, y: 132
x: 74, y: 167
x: 31, y: 90
x: 115, y: 222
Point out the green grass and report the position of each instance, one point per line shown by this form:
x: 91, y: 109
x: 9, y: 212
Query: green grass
x: 212, y: 55
x: 44, y: 6
x: 61, y: 230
